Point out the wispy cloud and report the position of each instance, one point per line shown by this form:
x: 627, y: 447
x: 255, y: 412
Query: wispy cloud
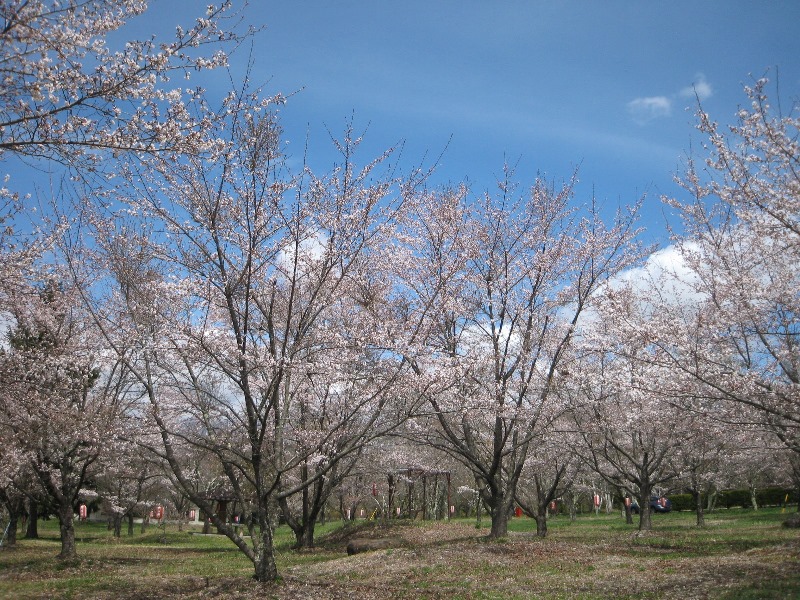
x: 700, y: 88
x: 644, y: 110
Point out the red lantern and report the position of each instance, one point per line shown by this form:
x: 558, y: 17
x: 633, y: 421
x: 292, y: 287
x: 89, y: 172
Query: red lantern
x: 518, y: 512
x: 159, y: 513
x: 553, y: 505
x: 192, y: 514
x: 627, y: 501
x: 596, y: 500
x: 83, y: 511
x: 236, y: 519
x: 662, y: 501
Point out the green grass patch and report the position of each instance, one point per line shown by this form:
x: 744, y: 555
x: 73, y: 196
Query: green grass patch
x: 739, y: 554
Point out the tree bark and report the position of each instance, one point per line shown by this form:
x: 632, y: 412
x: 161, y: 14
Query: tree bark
x: 712, y: 500
x: 541, y: 522
x: 130, y: 524
x: 500, y: 511
x: 313, y: 502
x: 265, y: 568
x: 499, y: 524
x: 67, y: 527
x: 698, y: 503
x: 11, y: 531
x: 304, y: 538
x: 117, y: 524
x: 645, y: 515
x: 32, y: 532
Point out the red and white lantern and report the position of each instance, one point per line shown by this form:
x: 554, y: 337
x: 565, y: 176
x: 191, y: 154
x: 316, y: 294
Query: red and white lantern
x: 597, y: 500
x: 83, y: 512
x: 192, y: 514
x: 159, y: 512
x: 553, y: 505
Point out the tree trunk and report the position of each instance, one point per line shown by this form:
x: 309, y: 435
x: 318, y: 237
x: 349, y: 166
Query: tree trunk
x: 712, y: 501
x: 67, y: 527
x: 499, y: 524
x: 573, y: 508
x: 501, y: 508
x: 645, y: 516
x: 117, y: 523
x: 11, y: 531
x: 541, y: 522
x: 698, y: 503
x: 304, y: 525
x: 753, y: 498
x: 304, y: 536
x: 32, y: 532
x: 130, y: 524
x: 265, y: 568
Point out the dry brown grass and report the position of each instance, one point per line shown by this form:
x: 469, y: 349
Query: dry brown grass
x: 739, y: 555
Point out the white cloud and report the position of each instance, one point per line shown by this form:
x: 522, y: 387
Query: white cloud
x: 664, y: 275
x: 644, y: 110
x: 699, y: 88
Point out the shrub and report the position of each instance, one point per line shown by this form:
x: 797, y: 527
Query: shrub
x: 682, y: 501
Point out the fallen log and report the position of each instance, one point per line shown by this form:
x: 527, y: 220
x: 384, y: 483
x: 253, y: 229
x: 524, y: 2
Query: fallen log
x: 358, y: 546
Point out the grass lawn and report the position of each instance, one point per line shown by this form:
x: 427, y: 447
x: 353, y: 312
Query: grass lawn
x: 740, y: 554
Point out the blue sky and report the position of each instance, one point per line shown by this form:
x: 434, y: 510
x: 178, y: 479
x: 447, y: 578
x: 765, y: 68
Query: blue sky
x: 552, y: 85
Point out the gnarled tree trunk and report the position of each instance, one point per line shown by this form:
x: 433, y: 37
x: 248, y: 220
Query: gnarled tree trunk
x: 66, y: 521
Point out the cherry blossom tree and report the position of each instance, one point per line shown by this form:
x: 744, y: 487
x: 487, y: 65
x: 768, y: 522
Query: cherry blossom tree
x: 12, y: 495
x: 247, y: 304
x: 630, y: 433
x: 61, y: 403
x: 128, y: 485
x: 701, y: 457
x: 496, y: 287
x: 742, y: 244
x: 550, y: 472
x: 70, y: 96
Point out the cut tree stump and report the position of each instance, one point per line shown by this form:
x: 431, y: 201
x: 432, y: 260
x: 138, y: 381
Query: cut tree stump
x: 793, y: 521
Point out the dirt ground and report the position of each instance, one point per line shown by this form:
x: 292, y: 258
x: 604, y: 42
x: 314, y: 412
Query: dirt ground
x: 453, y: 561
